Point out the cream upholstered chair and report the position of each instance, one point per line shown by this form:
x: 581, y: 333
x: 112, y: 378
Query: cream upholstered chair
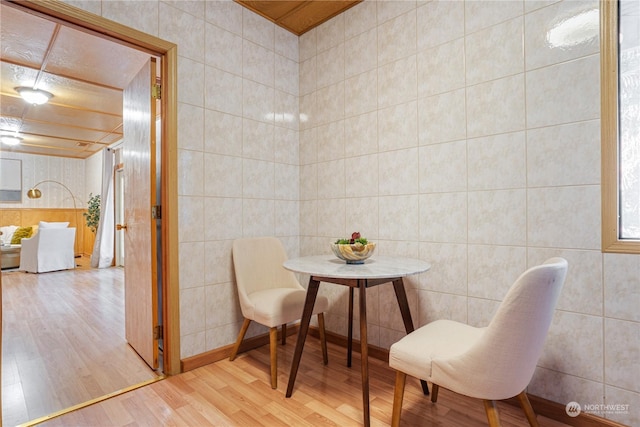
x: 269, y: 294
x: 491, y: 363
x: 50, y: 249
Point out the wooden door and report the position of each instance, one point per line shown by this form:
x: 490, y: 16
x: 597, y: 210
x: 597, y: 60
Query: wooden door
x: 139, y: 168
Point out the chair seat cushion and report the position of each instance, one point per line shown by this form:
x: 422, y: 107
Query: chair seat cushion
x: 438, y: 340
x: 274, y: 307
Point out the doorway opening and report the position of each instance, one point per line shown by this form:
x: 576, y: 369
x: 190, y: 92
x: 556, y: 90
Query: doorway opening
x: 168, y: 54
x: 168, y: 252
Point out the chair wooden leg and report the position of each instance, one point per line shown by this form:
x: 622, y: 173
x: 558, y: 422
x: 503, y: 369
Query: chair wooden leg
x: 398, y: 395
x: 323, y: 339
x: 528, y: 410
x: 434, y: 392
x: 492, y: 413
x: 284, y: 334
x: 243, y: 330
x: 273, y: 350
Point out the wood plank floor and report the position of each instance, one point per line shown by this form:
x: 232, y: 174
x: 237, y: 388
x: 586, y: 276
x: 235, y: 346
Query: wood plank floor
x: 63, y: 341
x: 238, y: 393
x: 63, y: 344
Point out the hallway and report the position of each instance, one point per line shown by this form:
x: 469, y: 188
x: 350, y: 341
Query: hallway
x: 63, y: 341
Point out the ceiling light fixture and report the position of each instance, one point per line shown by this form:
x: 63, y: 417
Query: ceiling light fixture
x: 10, y: 140
x: 34, y: 96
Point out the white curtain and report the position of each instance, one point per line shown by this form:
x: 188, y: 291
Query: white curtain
x: 102, y: 255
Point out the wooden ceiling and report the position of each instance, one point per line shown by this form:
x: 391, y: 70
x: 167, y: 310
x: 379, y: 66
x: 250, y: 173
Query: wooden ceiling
x: 299, y: 16
x: 85, y: 73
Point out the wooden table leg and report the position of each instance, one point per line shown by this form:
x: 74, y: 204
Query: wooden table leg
x: 401, y: 296
x: 364, y: 350
x: 312, y: 293
x: 350, y: 331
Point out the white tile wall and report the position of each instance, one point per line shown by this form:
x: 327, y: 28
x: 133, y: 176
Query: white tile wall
x: 191, y: 137
x: 330, y: 63
x: 188, y: 27
x: 621, y: 278
x: 564, y: 155
x: 564, y: 93
x: 397, y: 38
x: 549, y: 38
x: 506, y: 155
x: 494, y: 52
x: 440, y: 117
x: 143, y: 16
x: 479, y: 141
x: 490, y: 112
x: 479, y: 15
x: 360, y: 53
x: 441, y: 68
x: 451, y: 131
x: 443, y: 217
x: 492, y: 269
x: 623, y: 357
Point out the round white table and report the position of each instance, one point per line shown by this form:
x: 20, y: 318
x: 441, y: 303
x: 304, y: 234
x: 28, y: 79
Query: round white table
x: 375, y: 271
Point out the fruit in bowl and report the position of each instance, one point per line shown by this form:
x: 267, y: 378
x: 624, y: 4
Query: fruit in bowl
x: 354, y: 250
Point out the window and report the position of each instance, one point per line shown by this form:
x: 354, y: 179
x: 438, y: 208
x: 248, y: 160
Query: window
x: 620, y: 89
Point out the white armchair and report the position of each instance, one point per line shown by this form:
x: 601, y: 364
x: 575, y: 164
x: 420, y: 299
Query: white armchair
x: 49, y: 250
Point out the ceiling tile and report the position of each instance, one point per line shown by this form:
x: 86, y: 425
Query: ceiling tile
x: 12, y: 76
x: 25, y: 37
x: 11, y: 107
x: 55, y: 114
x: 89, y: 58
x: 81, y: 95
x: 60, y: 131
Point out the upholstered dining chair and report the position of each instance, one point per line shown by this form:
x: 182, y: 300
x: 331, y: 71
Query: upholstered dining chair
x: 491, y: 363
x: 269, y: 294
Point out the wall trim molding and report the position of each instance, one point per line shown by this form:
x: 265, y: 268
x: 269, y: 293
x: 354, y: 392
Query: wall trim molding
x: 220, y: 353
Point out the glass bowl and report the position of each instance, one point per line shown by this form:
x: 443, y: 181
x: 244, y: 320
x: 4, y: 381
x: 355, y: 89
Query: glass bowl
x: 353, y: 253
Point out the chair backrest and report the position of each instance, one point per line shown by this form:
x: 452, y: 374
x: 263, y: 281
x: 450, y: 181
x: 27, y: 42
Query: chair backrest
x: 500, y: 365
x: 257, y: 264
x: 49, y: 250
x: 56, y: 239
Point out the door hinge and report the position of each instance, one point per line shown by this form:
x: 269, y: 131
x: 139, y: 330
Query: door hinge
x: 156, y: 212
x: 158, y: 332
x: 156, y: 91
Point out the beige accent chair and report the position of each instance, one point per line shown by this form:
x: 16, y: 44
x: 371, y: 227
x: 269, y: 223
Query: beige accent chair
x: 491, y: 363
x: 269, y: 294
x: 50, y: 249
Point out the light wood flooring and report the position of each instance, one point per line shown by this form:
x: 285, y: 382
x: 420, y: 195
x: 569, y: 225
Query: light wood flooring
x: 63, y: 341
x: 61, y: 345
x: 238, y: 393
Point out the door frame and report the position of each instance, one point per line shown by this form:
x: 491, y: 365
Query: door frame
x: 119, y: 214
x: 168, y: 52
